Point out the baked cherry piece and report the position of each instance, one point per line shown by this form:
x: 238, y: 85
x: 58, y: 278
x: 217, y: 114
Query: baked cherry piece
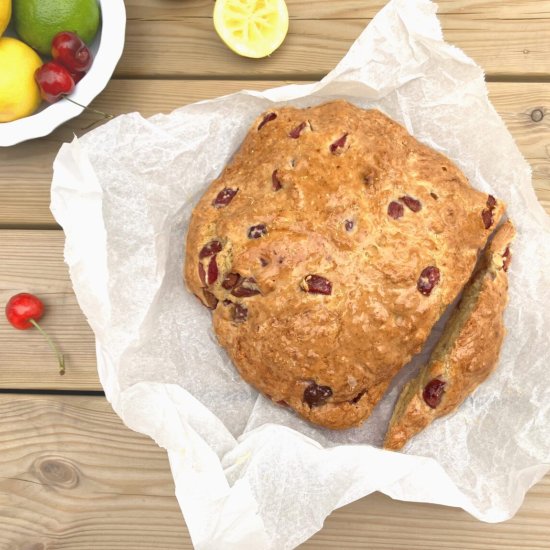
x: 428, y: 279
x: 245, y: 288
x: 315, y: 284
x: 487, y: 214
x: 202, y: 274
x: 23, y: 311
x: 506, y: 259
x: 210, y: 300
x: 275, y: 181
x: 212, y: 276
x: 338, y: 146
x: 267, y: 118
x: 411, y: 203
x: 209, y: 249
x: 69, y: 50
x: 433, y: 392
x: 315, y: 395
x: 395, y: 210
x: 257, y: 231
x: 230, y: 281
x: 54, y: 81
x: 487, y: 217
x: 240, y: 313
x: 224, y: 197
x: 295, y: 132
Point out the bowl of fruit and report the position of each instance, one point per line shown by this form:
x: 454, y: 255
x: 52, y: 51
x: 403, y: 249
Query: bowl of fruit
x: 56, y: 56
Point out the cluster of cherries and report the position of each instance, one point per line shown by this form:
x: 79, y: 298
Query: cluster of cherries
x: 71, y: 61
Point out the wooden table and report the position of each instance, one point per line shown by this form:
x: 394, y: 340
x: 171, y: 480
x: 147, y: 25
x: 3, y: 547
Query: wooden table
x: 72, y: 476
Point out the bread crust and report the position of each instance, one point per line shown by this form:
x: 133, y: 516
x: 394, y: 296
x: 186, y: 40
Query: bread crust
x: 347, y: 195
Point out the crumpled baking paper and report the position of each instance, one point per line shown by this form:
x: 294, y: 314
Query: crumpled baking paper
x: 250, y: 474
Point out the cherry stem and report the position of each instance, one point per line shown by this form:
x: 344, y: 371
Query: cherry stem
x: 100, y: 113
x: 60, y: 358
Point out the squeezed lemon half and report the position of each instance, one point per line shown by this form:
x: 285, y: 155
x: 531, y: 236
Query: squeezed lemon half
x: 251, y: 28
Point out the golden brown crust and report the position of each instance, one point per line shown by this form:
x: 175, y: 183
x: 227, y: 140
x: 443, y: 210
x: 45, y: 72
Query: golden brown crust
x: 467, y: 352
x: 324, y: 200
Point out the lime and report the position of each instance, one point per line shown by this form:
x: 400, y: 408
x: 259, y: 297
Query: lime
x: 38, y: 21
x: 252, y: 28
x: 19, y: 93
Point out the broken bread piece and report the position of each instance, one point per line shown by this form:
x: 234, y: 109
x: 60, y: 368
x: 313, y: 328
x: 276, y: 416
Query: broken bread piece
x: 467, y: 352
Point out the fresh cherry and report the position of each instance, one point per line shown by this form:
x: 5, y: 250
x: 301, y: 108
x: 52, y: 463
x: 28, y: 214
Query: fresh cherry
x: 77, y: 77
x: 23, y: 307
x: 54, y: 81
x: 69, y: 50
x: 23, y: 311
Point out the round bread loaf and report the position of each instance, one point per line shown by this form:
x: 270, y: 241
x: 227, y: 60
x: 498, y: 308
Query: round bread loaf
x: 327, y: 249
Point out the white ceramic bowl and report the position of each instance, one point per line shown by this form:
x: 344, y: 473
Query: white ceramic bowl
x: 107, y: 49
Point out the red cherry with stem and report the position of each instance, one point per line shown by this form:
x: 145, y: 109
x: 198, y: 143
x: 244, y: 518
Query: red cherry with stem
x: 71, y: 51
x: 23, y: 311
x: 54, y: 81
x: 23, y: 307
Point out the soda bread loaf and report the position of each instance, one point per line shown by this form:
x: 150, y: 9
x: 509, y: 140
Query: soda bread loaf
x: 327, y: 250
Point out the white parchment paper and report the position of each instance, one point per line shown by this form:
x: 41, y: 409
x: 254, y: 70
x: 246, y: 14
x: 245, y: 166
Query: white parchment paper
x: 248, y: 474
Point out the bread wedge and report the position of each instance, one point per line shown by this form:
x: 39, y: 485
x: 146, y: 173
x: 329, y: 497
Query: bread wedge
x: 467, y: 352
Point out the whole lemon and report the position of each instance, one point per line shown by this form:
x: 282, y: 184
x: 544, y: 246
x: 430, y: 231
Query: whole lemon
x: 38, y: 21
x: 19, y: 93
x: 5, y: 14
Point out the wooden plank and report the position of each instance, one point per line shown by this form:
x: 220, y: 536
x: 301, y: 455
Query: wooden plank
x: 379, y: 523
x: 168, y: 38
x: 26, y: 168
x: 162, y: 10
x: 32, y: 261
x: 188, y: 47
x: 74, y: 478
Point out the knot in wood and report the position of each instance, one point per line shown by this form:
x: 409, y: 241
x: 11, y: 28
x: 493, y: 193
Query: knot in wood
x: 57, y: 472
x: 537, y: 115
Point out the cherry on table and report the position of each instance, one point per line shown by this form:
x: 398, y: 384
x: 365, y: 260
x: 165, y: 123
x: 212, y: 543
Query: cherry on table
x: 54, y: 81
x: 71, y: 51
x: 23, y: 307
x: 23, y: 311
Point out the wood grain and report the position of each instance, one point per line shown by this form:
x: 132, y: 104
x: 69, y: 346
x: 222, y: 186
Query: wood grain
x: 27, y: 168
x: 72, y: 476
x: 190, y: 48
x: 163, y: 10
x: 75, y: 478
x: 167, y: 38
x: 379, y: 523
x: 32, y: 261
